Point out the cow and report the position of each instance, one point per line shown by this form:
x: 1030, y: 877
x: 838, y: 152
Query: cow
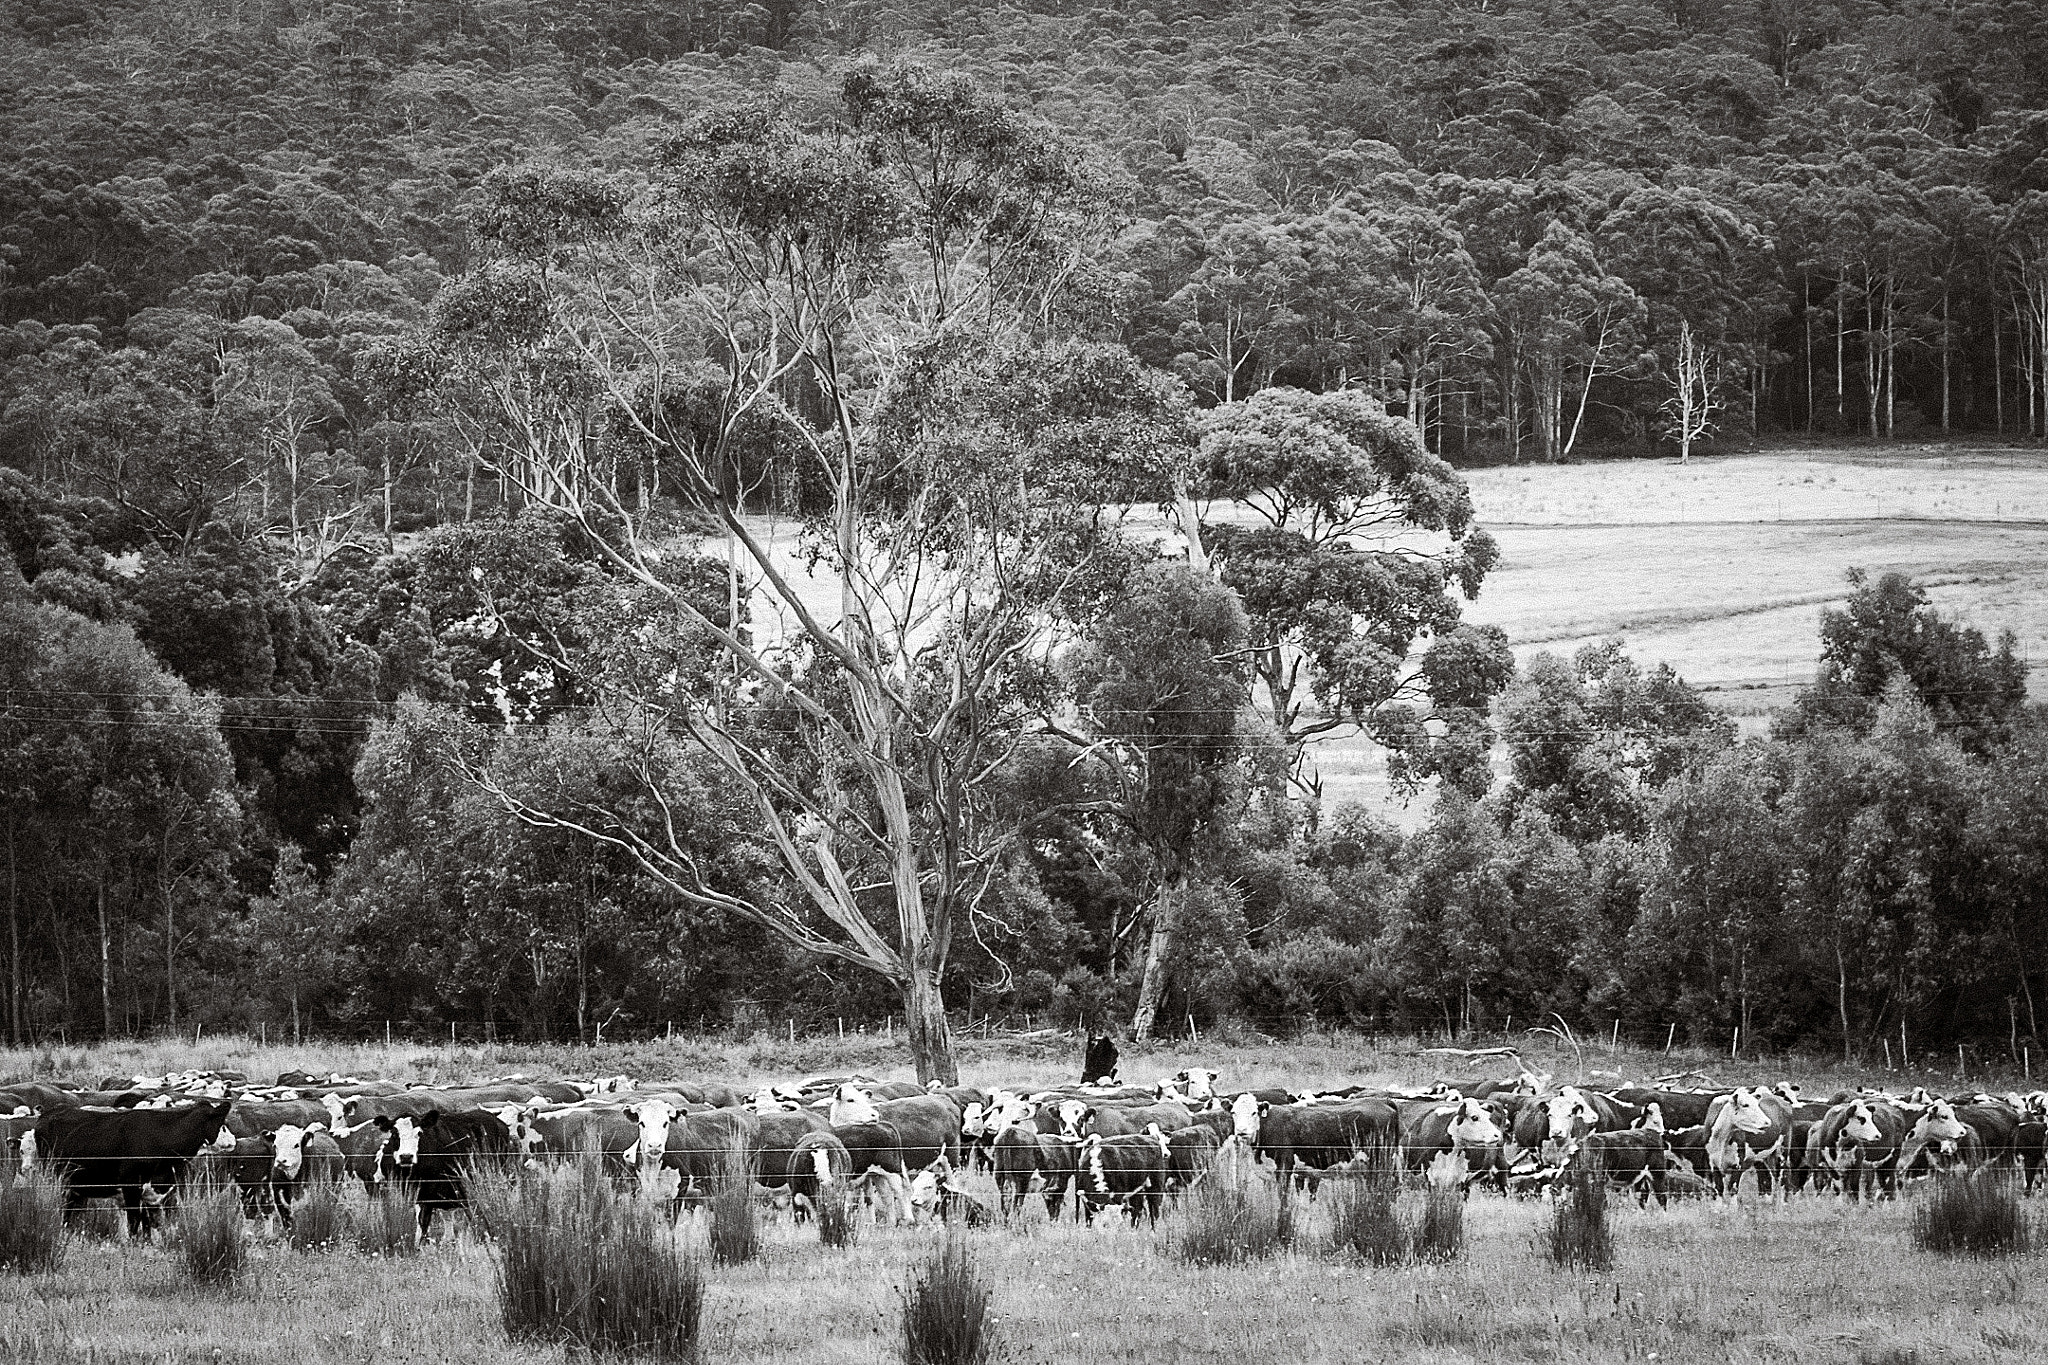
x: 302, y: 1159
x: 1190, y: 1153
x: 1079, y: 1119
x: 929, y: 1125
x: 1316, y: 1137
x: 1469, y: 1130
x: 772, y: 1152
x: 108, y: 1153
x: 1099, y: 1061
x: 1749, y: 1129
x: 2030, y: 1149
x: 1021, y: 1153
x: 819, y: 1163
x: 435, y: 1153
x: 1192, y: 1086
x: 1943, y: 1139
x: 708, y: 1148
x: 1632, y: 1158
x: 572, y: 1132
x: 252, y: 1120
x: 1129, y: 1169
x: 246, y: 1166
x: 1858, y: 1143
x: 875, y: 1154
x: 1689, y: 1145
x: 1681, y: 1108
x: 932, y: 1194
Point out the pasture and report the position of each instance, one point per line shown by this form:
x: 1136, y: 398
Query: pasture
x: 1740, y: 1279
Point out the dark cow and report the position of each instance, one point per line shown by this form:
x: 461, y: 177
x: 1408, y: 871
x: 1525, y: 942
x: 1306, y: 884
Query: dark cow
x: 1858, y: 1144
x: 247, y: 1167
x: 1314, y: 1136
x: 1681, y: 1108
x: 1099, y: 1061
x: 1634, y: 1158
x: 1021, y: 1152
x: 929, y: 1125
x: 1689, y: 1145
x: 773, y: 1149
x: 1471, y: 1130
x: 1190, y: 1153
x: 2030, y: 1149
x: 707, y: 1148
x: 252, y: 1120
x: 875, y: 1154
x: 1130, y: 1170
x: 119, y: 1153
x: 819, y: 1163
x: 302, y: 1159
x: 434, y: 1153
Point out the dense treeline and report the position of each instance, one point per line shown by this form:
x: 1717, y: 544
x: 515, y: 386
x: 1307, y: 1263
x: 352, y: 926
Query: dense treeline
x: 323, y: 646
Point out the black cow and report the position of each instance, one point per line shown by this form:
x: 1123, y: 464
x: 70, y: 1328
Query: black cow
x: 875, y: 1154
x: 1190, y: 1152
x: 435, y: 1152
x: 110, y: 1153
x: 705, y: 1148
x: 1315, y: 1136
x: 2030, y: 1149
x: 1129, y: 1170
x: 820, y: 1160
x: 1634, y: 1158
x: 1021, y: 1152
x: 1099, y: 1061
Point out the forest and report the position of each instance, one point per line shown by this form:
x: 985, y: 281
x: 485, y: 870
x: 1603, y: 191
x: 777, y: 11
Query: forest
x: 413, y: 419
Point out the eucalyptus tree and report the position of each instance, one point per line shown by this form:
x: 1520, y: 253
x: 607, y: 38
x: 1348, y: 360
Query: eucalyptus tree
x: 886, y: 283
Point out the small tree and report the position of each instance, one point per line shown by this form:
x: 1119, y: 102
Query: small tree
x: 1695, y: 399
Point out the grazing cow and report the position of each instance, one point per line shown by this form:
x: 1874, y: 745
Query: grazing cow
x: 705, y: 1149
x: 1190, y: 1154
x: 1470, y: 1130
x: 1130, y: 1170
x: 932, y: 1194
x: 1858, y: 1144
x: 434, y: 1154
x: 1634, y: 1158
x: 1749, y: 1129
x: 1941, y: 1138
x: 302, y: 1159
x: 1315, y: 1137
x: 819, y: 1163
x: 1099, y: 1061
x: 1022, y: 1153
x: 109, y: 1153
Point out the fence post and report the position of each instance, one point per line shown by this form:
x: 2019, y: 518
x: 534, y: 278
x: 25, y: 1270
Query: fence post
x: 792, y: 1032
x: 387, y: 1033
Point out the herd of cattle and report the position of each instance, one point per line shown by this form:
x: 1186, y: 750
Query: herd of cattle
x: 907, y: 1149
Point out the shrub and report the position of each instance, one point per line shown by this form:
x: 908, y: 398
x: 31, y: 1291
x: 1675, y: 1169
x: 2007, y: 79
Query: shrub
x: 1438, y: 1233
x: 1363, y: 1219
x: 318, y: 1219
x: 1972, y: 1215
x: 32, y: 1232
x: 391, y: 1224
x: 837, y: 1212
x: 578, y: 1265
x: 211, y: 1232
x: 1222, y: 1222
x: 945, y: 1308
x: 735, y: 1223
x: 1578, y: 1237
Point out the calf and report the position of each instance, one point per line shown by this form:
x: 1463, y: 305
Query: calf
x: 932, y: 1194
x: 110, y: 1153
x: 1634, y: 1159
x: 1129, y: 1170
x: 1021, y: 1153
x: 819, y: 1164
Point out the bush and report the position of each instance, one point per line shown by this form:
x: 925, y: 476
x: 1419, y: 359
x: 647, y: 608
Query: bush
x: 1578, y: 1237
x: 1221, y: 1222
x: 1972, y: 1215
x: 211, y: 1232
x: 945, y: 1308
x: 318, y: 1219
x: 32, y: 1233
x: 735, y: 1223
x: 1438, y: 1233
x: 391, y: 1225
x: 579, y: 1265
x: 837, y: 1212
x: 1363, y: 1219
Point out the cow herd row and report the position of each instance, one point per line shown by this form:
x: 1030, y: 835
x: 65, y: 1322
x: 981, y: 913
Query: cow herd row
x: 904, y: 1148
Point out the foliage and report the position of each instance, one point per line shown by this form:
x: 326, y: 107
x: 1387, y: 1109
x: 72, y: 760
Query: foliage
x: 1978, y: 1213
x: 945, y: 1307
x: 211, y: 1232
x: 1579, y: 1237
x: 32, y: 1232
x: 1222, y: 1221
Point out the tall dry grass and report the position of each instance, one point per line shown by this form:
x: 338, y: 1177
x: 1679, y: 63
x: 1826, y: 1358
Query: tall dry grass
x: 1978, y: 1214
x: 580, y: 1265
x: 1579, y: 1237
x: 390, y: 1225
x: 838, y: 1213
x: 1437, y: 1233
x: 32, y: 1232
x: 1228, y: 1222
x: 320, y: 1222
x: 946, y: 1308
x: 735, y: 1221
x: 1365, y: 1221
x: 210, y: 1231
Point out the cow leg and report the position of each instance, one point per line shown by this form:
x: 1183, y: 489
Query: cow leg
x: 138, y: 1218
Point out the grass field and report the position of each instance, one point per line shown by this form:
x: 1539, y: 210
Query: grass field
x: 1741, y: 1280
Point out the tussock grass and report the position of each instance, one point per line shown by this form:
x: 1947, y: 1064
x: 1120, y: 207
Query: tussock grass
x: 210, y: 1232
x: 1579, y: 1237
x: 735, y: 1222
x: 579, y: 1265
x: 319, y: 1221
x: 1364, y: 1221
x: 1228, y: 1222
x: 838, y: 1214
x: 1979, y: 1214
x: 1438, y: 1232
x: 32, y: 1232
x: 390, y: 1226
x: 945, y: 1308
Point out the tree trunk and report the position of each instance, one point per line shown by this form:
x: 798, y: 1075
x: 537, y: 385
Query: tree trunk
x: 1842, y: 998
x: 13, y: 941
x: 931, y: 1036
x: 106, y: 963
x: 1152, y: 989
x: 170, y: 961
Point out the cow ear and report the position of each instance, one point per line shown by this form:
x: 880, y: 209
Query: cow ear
x: 428, y: 1119
x: 632, y: 1112
x: 270, y: 1134
x: 316, y: 1127
x: 1265, y: 1107
x: 384, y: 1122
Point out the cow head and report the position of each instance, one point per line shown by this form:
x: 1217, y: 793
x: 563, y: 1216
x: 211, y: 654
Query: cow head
x: 1074, y: 1116
x: 288, y: 1148
x: 1568, y: 1116
x: 1009, y: 1110
x: 517, y: 1123
x: 850, y: 1104
x: 337, y: 1111
x: 402, y: 1139
x: 766, y: 1101
x: 1939, y: 1128
x: 927, y: 1188
x: 653, y: 1117
x: 1652, y: 1120
x: 1246, y: 1111
x: 1473, y: 1125
x: 974, y: 1120
x: 1748, y: 1112
x: 2034, y: 1105
x: 1861, y: 1125
x: 1919, y: 1099
x: 1197, y: 1083
x: 1787, y: 1091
